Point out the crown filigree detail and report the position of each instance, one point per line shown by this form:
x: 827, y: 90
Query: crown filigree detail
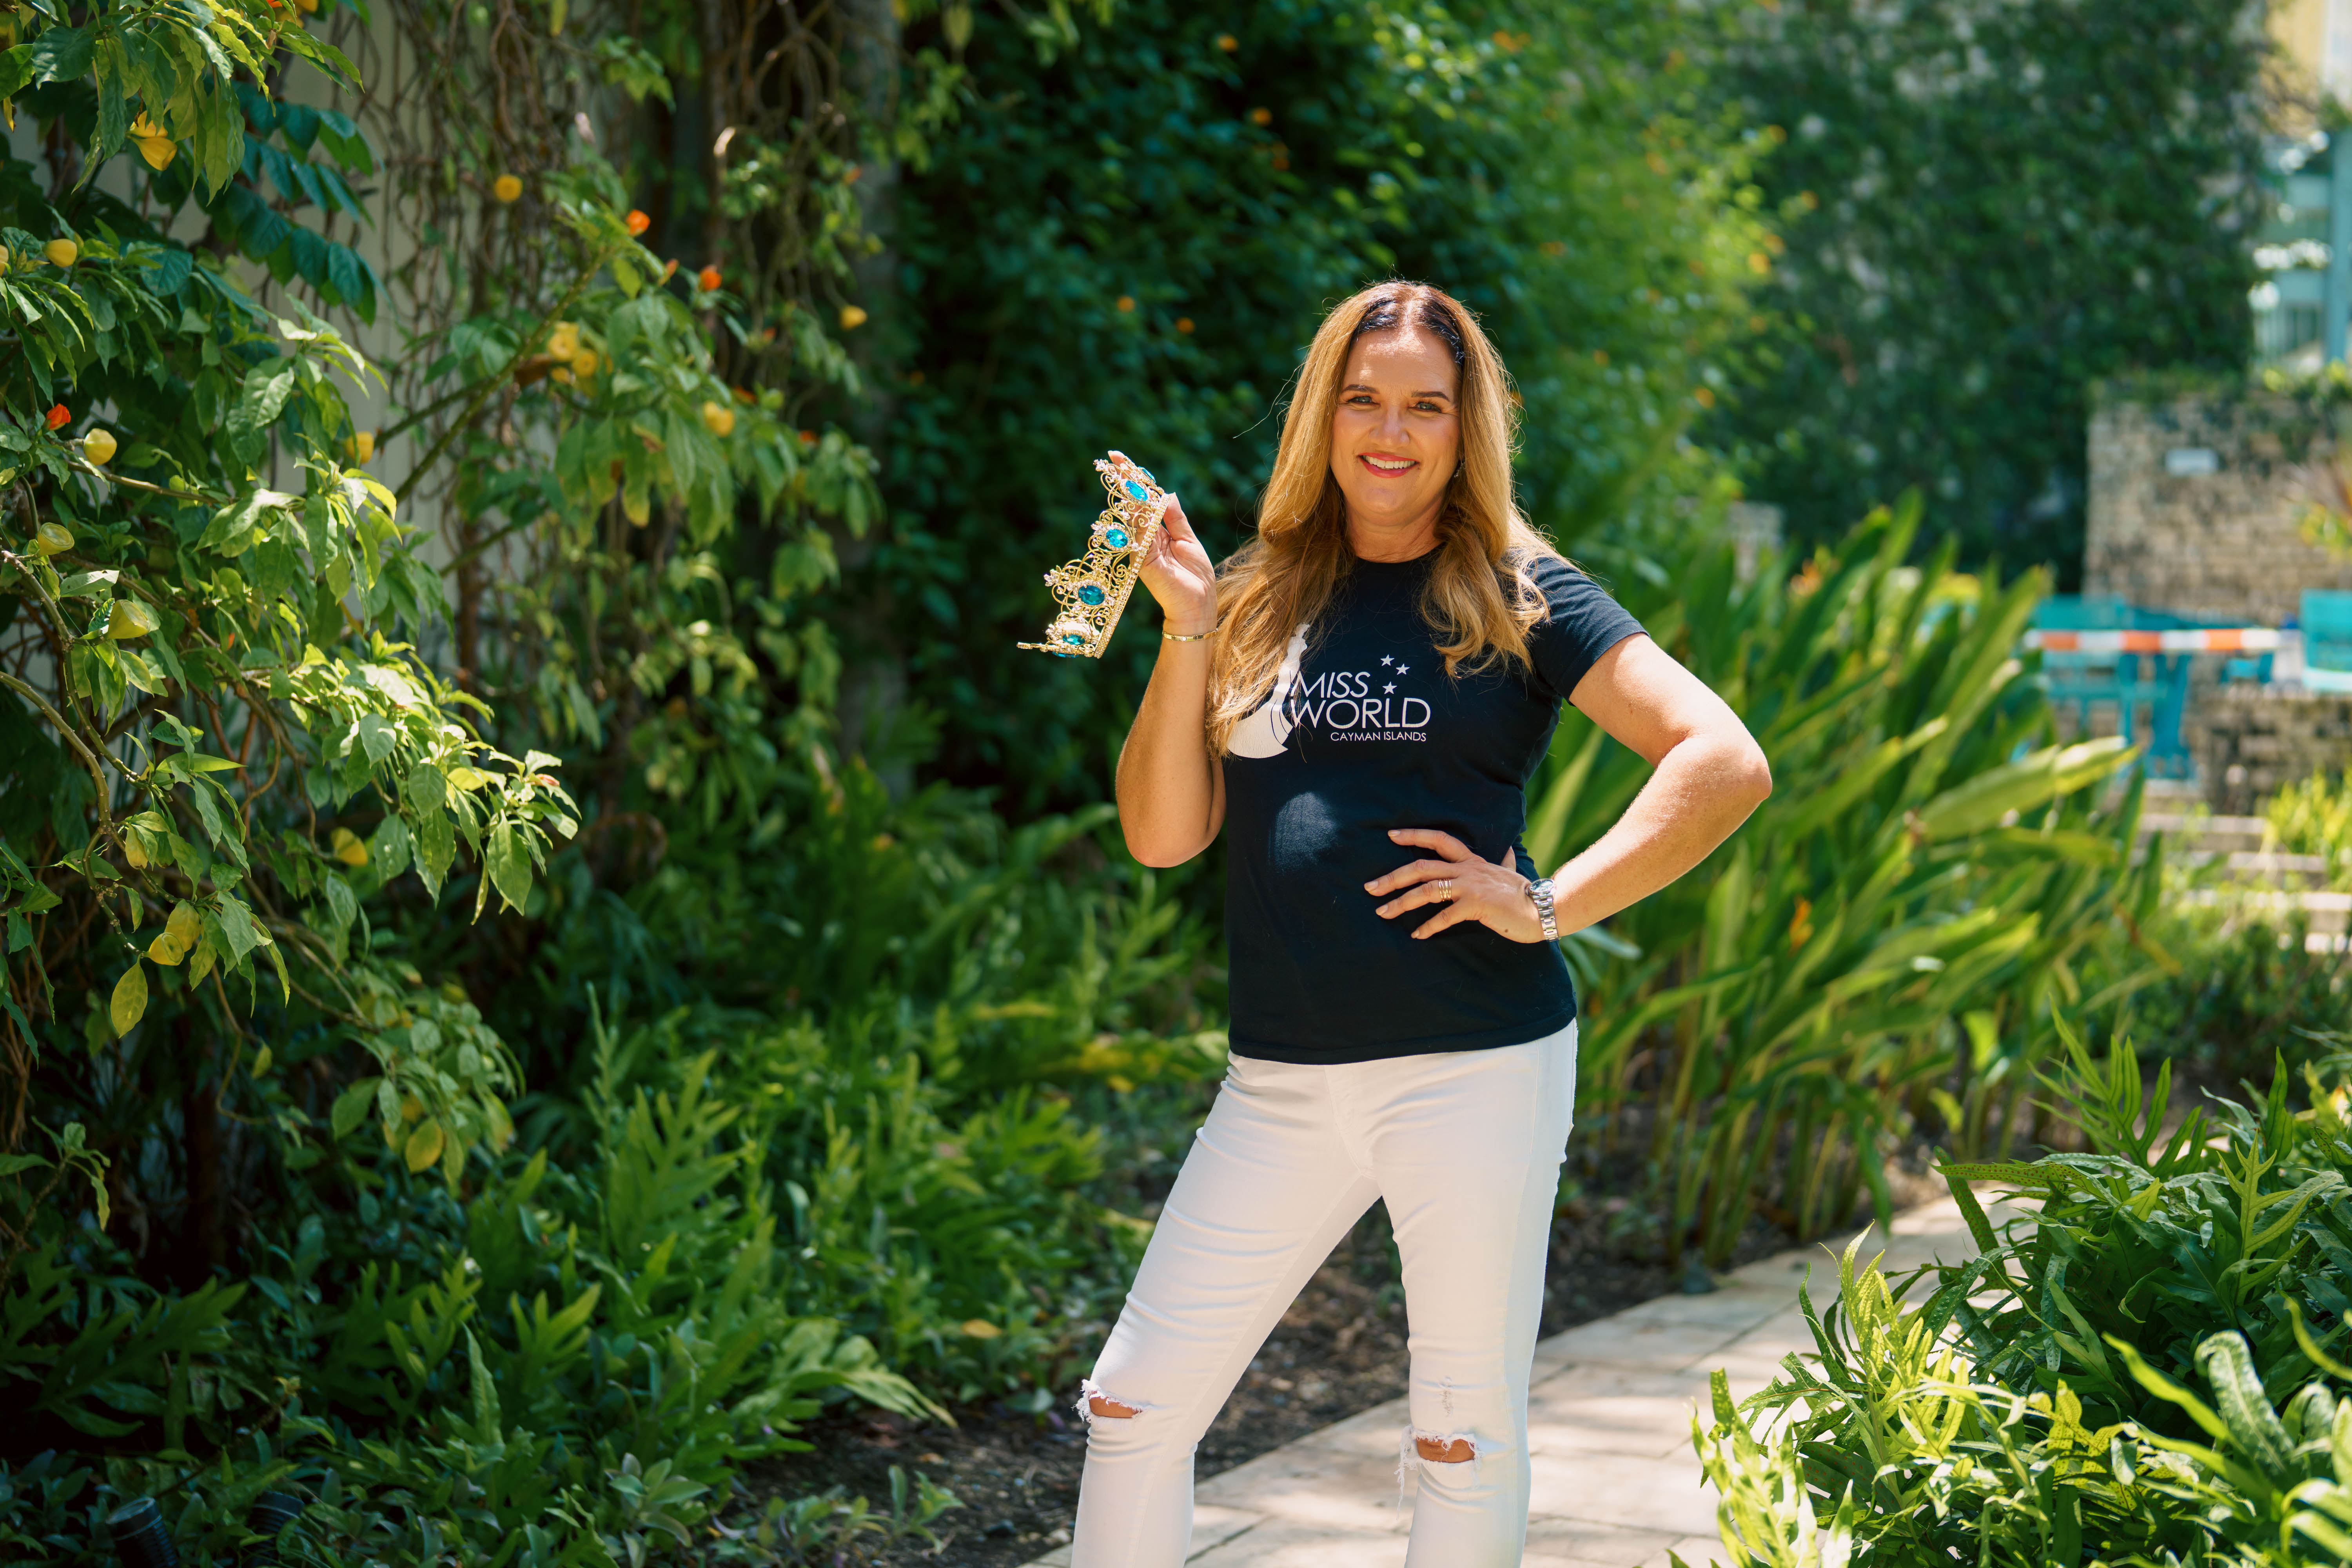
x: 1092, y: 589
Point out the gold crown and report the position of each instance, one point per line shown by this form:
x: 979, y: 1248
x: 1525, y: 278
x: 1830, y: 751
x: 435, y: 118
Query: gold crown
x: 1092, y: 589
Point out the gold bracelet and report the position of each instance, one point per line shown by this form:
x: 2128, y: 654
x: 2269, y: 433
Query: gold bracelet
x: 1178, y: 637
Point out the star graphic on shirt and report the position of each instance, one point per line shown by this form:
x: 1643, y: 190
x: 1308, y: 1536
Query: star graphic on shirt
x: 1403, y: 668
x: 1390, y: 687
x: 1387, y: 658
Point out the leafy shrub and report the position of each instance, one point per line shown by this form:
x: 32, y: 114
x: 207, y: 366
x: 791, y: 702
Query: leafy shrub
x: 1881, y: 947
x: 2148, y: 1370
x: 2244, y: 990
x: 2313, y: 817
x: 578, y: 1358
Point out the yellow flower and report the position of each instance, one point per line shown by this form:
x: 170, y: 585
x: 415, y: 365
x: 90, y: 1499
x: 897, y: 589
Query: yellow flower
x: 507, y: 188
x: 584, y: 364
x: 564, y: 341
x: 155, y: 144
x: 51, y: 539
x: 345, y: 845
x: 99, y: 447
x: 718, y: 419
x: 362, y: 446
x: 61, y: 252
x: 852, y: 318
x: 129, y: 619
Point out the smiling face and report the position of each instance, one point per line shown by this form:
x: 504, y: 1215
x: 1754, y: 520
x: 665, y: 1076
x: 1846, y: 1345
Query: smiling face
x: 1395, y: 434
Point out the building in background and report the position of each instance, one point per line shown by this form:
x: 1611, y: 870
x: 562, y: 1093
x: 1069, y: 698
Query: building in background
x: 2301, y: 310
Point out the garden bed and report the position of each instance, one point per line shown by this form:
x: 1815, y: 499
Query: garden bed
x: 1339, y: 1351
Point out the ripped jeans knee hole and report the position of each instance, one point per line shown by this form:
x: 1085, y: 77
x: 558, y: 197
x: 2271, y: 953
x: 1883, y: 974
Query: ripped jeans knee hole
x: 1094, y: 1405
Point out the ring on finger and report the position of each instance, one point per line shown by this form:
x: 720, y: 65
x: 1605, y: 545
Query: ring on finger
x: 1445, y: 885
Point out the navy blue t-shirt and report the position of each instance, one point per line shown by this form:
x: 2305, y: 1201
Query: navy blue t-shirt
x: 1365, y: 732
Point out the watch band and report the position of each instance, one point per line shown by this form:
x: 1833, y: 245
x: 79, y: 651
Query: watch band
x: 1540, y: 892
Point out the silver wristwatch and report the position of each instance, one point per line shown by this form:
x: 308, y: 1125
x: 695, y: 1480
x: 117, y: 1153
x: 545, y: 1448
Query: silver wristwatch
x: 1540, y: 892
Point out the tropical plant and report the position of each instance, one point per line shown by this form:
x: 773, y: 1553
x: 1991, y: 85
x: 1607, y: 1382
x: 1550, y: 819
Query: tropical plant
x: 574, y: 1362
x: 1880, y: 948
x: 2145, y: 1368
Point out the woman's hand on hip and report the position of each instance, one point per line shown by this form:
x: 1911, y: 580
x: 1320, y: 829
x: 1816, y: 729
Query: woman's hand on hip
x: 1462, y: 885
x: 1180, y: 575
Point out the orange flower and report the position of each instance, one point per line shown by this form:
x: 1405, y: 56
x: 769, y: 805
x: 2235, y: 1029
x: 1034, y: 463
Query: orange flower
x: 708, y: 279
x: 669, y: 269
x: 638, y: 222
x: 59, y: 418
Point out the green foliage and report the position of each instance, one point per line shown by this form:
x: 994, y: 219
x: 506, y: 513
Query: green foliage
x: 2149, y: 1371
x: 2247, y: 987
x: 2313, y: 817
x: 1882, y: 944
x: 575, y: 1361
x: 1988, y: 208
x: 1128, y: 244
x: 224, y: 660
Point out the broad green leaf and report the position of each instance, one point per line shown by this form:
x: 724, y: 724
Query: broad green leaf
x: 61, y: 54
x: 376, y: 736
x: 509, y: 864
x: 435, y: 848
x: 17, y: 69
x: 234, y: 528
x: 2254, y: 1427
x: 2022, y: 785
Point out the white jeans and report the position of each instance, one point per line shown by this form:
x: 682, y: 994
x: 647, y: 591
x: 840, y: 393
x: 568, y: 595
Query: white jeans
x: 1465, y: 1148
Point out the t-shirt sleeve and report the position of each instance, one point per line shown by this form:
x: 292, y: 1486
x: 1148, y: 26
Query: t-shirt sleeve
x: 1584, y: 623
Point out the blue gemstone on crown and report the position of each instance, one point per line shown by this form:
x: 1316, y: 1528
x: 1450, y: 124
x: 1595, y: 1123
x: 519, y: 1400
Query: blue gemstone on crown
x: 1137, y: 491
x: 1075, y: 639
x: 1091, y: 593
x: 1147, y: 475
x: 1115, y: 537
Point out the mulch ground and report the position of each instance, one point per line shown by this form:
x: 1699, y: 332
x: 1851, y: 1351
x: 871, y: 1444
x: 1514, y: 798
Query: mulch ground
x: 1340, y: 1350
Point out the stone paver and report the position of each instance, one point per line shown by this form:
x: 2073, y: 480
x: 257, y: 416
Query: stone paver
x: 1616, y: 1483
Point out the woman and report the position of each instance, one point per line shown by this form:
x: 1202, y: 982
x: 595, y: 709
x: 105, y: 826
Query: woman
x: 1360, y: 694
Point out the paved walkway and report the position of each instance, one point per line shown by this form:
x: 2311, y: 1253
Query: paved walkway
x: 1616, y: 1483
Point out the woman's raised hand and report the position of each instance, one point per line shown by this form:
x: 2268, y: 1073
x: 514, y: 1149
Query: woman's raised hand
x: 1466, y: 888
x: 1181, y: 577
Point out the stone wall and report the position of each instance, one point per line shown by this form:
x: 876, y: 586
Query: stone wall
x: 2252, y: 741
x: 2194, y: 507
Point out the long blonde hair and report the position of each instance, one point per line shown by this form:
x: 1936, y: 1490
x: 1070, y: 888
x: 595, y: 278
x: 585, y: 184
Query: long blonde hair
x: 1481, y: 599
